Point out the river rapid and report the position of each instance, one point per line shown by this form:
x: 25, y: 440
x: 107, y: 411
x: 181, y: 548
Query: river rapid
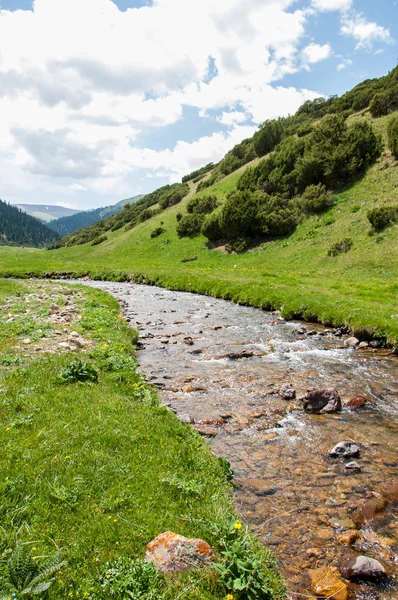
x: 220, y: 366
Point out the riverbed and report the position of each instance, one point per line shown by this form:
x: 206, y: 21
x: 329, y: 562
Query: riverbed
x: 221, y: 367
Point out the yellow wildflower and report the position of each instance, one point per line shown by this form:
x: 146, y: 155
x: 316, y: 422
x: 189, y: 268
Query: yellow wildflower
x: 237, y: 525
x: 230, y: 597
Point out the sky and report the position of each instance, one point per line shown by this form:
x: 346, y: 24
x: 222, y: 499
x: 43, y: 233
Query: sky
x: 102, y: 100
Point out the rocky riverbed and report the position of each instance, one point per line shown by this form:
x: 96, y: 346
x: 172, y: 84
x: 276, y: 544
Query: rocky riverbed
x: 238, y: 374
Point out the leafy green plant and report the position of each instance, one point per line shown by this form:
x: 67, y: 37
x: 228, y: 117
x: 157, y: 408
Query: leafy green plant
x: 241, y: 571
x: 26, y: 577
x: 99, y: 240
x: 316, y: 199
x: 78, y: 371
x: 131, y: 579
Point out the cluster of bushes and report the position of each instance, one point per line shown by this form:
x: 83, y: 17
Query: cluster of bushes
x: 392, y: 135
x: 157, y: 232
x: 99, y: 240
x: 190, y: 224
x: 383, y: 216
x: 198, y: 174
x: 332, y: 155
x: 129, y: 216
x: 293, y: 182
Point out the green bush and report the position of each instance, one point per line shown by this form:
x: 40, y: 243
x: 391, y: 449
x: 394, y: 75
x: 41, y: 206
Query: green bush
x: 340, y: 247
x: 392, y: 135
x: 157, y: 232
x: 211, y: 228
x: 268, y: 136
x: 203, y: 205
x: 99, y: 240
x: 190, y: 225
x: 382, y: 216
x: 316, y: 199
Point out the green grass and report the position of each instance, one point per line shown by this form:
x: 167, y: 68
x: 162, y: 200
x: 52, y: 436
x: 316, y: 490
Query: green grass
x: 295, y: 274
x: 98, y: 469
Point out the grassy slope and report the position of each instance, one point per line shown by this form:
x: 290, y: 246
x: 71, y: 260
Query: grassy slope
x: 359, y: 288
x: 98, y: 469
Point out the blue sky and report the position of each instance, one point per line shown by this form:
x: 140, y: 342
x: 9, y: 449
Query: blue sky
x: 100, y: 102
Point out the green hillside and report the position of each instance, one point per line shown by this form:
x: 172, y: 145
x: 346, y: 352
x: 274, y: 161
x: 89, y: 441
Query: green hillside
x: 19, y: 229
x: 336, y: 261
x: 69, y: 224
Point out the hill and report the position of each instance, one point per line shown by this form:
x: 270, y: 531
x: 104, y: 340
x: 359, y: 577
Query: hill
x: 45, y: 212
x: 20, y: 229
x: 301, y: 217
x: 69, y: 224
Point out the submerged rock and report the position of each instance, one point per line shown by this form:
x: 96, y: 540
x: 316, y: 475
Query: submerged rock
x: 287, y: 392
x: 355, y: 402
x: 345, y: 449
x: 368, y: 511
x: 327, y: 583
x: 322, y: 400
x: 173, y: 553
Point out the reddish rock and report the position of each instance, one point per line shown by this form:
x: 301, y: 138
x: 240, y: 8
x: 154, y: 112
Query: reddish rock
x: 206, y: 430
x: 355, y: 402
x: 391, y: 492
x: 322, y: 400
x: 173, y: 553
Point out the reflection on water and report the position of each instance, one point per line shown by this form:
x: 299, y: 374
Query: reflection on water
x: 293, y: 495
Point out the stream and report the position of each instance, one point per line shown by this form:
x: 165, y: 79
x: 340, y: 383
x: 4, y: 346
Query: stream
x: 220, y: 367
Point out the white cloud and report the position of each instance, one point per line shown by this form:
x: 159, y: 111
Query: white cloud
x: 79, y: 79
x: 314, y: 53
x: 329, y: 5
x: 365, y: 33
x: 76, y: 187
x: 346, y: 62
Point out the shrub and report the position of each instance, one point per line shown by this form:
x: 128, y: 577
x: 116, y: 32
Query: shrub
x: 203, y: 205
x: 340, y: 247
x: 392, y: 134
x: 190, y: 225
x: 268, y: 136
x: 316, y: 199
x: 239, y: 245
x: 145, y: 215
x: 382, y: 216
x: 78, y: 371
x: 211, y: 228
x: 99, y: 240
x: 157, y: 232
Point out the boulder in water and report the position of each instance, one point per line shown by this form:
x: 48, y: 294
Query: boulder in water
x: 322, y: 400
x: 327, y: 583
x: 287, y: 392
x: 362, y: 567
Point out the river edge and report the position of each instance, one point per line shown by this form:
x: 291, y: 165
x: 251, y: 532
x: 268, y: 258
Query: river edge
x: 363, y: 331
x: 248, y: 503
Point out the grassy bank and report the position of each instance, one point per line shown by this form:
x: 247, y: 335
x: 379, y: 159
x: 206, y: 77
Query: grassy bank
x: 97, y: 467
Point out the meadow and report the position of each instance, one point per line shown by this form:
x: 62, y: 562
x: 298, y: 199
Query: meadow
x: 93, y: 466
x: 295, y: 274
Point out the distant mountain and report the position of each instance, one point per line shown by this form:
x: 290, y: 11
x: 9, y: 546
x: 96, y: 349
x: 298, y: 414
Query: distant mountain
x: 69, y: 224
x: 46, y: 212
x: 19, y: 229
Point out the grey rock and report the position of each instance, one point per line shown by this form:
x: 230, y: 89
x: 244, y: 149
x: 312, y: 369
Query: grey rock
x: 351, y: 342
x: 353, y: 466
x: 362, y: 567
x: 345, y: 449
x: 287, y: 392
x: 363, y: 345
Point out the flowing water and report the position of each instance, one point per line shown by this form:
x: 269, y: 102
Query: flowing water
x: 219, y: 366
